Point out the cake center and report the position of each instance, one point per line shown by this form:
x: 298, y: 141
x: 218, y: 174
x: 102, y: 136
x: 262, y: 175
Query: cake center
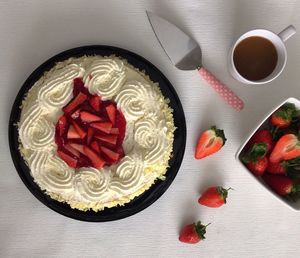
x: 91, y: 131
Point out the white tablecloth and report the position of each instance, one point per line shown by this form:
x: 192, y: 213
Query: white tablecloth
x: 252, y: 224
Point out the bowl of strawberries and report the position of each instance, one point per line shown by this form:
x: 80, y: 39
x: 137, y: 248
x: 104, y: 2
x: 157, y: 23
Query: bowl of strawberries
x: 272, y: 153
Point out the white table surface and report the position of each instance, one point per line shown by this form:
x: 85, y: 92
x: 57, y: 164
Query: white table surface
x: 252, y: 224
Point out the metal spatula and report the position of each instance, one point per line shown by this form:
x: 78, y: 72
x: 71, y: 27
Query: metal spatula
x: 185, y: 54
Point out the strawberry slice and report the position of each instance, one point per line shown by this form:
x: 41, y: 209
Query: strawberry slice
x: 95, y: 159
x: 62, y: 123
x: 77, y: 147
x: 109, y: 153
x: 89, y: 117
x: 72, y: 133
x: 95, y: 102
x: 72, y: 162
x: 90, y: 135
x: 78, y: 85
x: 108, y: 138
x: 76, y: 114
x: 95, y: 146
x: 292, y: 154
x: 111, y: 112
x: 79, y: 130
x: 102, y: 126
x: 114, y: 131
x: 75, y: 152
x: 79, y: 99
x: 287, y: 147
x: 210, y: 142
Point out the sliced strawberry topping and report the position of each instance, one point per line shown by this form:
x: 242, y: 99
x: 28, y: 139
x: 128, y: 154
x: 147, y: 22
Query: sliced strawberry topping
x: 111, y: 112
x: 89, y: 117
x: 90, y: 134
x: 121, y: 125
x: 79, y: 130
x: 78, y: 147
x: 94, y: 157
x: 68, y: 159
x: 114, y: 130
x: 95, y: 102
x: 75, y: 152
x: 76, y: 114
x: 109, y: 153
x: 79, y: 99
x: 102, y: 126
x: 62, y: 124
x: 108, y: 138
x: 72, y: 133
x: 78, y: 86
x: 90, y: 129
x: 95, y: 146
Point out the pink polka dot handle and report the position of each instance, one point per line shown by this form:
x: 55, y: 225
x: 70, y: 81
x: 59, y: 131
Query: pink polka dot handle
x: 227, y: 94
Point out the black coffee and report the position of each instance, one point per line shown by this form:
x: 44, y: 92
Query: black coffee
x: 255, y: 58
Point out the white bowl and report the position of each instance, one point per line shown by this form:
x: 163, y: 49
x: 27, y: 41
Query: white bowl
x: 293, y: 205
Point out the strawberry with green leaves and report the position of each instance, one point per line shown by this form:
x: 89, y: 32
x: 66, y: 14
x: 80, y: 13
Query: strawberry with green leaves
x: 285, y: 115
x: 210, y: 142
x: 262, y: 136
x: 193, y: 233
x: 255, y: 159
x: 214, y: 197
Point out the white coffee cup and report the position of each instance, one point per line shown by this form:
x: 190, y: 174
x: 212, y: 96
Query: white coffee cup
x: 278, y: 42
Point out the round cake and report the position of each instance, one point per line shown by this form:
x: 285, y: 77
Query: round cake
x: 95, y: 132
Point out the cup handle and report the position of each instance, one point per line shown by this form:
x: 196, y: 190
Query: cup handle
x: 287, y: 33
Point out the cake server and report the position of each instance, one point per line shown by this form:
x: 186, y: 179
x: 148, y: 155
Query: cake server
x: 185, y: 54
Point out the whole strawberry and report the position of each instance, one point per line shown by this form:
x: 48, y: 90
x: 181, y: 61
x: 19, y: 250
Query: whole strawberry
x: 278, y: 168
x: 193, y: 233
x: 258, y: 167
x: 255, y: 159
x: 262, y: 136
x: 210, y: 142
x: 284, y: 116
x: 282, y: 185
x: 214, y: 197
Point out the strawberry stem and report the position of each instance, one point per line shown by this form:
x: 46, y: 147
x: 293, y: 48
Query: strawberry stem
x: 295, y: 192
x: 274, y: 131
x: 223, y: 192
x: 200, y: 229
x: 207, y: 224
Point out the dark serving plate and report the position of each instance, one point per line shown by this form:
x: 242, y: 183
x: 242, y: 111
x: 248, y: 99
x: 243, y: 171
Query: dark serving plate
x: 137, y: 204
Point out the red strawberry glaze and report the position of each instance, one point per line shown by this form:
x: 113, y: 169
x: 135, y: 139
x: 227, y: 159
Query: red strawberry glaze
x: 84, y: 128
